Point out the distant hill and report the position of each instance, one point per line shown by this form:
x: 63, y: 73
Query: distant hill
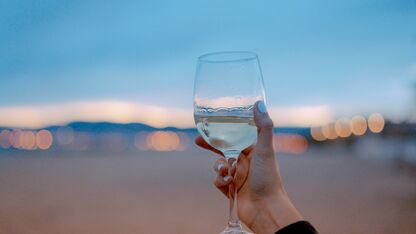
x: 107, y: 127
x: 104, y: 127
x: 132, y: 128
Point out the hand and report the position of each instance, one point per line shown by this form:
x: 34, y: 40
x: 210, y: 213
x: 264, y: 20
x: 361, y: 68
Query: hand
x: 263, y: 204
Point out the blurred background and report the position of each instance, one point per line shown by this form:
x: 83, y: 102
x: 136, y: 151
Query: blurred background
x: 96, y: 119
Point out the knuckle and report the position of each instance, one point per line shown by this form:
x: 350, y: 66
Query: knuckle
x: 267, y: 123
x: 217, y: 183
x: 265, y: 151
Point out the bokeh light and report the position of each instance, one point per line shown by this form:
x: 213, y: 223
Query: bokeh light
x: 44, y: 139
x: 27, y: 140
x: 376, y: 123
x: 342, y: 127
x: 317, y: 135
x: 15, y: 138
x: 184, y: 141
x: 140, y: 140
x: 65, y: 135
x: 290, y: 143
x: 328, y: 131
x: 5, y: 139
x: 163, y: 141
x: 358, y: 125
x: 82, y: 141
x: 114, y: 142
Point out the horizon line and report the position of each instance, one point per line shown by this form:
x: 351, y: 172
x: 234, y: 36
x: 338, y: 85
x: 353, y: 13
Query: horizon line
x: 124, y: 112
x: 115, y: 123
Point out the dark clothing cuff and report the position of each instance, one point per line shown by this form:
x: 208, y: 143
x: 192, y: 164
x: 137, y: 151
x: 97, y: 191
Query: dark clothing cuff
x: 300, y: 227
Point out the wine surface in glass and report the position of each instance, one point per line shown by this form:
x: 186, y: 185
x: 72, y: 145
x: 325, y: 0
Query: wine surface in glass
x: 227, y: 132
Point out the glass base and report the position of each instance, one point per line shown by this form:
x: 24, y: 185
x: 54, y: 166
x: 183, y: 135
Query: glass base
x: 235, y: 230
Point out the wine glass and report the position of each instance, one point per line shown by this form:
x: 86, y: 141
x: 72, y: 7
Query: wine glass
x: 227, y: 85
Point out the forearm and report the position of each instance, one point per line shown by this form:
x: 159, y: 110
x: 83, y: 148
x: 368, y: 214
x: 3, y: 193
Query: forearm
x: 275, y: 213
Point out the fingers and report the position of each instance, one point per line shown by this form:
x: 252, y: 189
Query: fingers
x: 221, y: 167
x: 238, y: 174
x: 264, y: 127
x: 222, y: 183
x: 203, y: 144
x: 222, y: 180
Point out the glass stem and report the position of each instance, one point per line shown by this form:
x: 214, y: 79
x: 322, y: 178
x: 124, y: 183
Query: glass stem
x: 233, y: 221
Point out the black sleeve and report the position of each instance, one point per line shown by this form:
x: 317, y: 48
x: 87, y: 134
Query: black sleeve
x: 301, y: 227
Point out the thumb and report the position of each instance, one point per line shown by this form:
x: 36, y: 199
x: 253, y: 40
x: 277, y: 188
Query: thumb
x: 264, y: 127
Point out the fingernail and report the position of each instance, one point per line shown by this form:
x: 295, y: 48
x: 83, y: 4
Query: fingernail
x: 261, y: 107
x: 227, y: 178
x: 219, y: 167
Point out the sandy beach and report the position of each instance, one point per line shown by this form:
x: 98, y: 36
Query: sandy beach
x: 155, y: 192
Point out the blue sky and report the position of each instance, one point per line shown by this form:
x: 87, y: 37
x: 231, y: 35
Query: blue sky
x: 353, y: 56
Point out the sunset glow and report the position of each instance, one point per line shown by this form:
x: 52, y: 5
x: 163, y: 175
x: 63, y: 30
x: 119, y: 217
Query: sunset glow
x: 301, y: 116
x: 161, y: 141
x: 129, y: 112
x: 94, y: 111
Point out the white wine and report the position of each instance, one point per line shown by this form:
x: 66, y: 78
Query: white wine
x: 227, y: 86
x: 227, y: 133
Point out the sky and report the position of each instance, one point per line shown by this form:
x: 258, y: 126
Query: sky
x: 62, y: 61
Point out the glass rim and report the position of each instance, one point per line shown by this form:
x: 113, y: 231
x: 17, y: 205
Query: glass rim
x: 239, y: 56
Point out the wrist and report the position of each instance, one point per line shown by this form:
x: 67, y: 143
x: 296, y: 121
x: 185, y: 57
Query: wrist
x: 274, y: 213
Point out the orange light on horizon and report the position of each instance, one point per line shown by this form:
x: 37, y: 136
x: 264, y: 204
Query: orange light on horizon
x: 342, y: 127
x: 358, y: 125
x: 15, y: 138
x: 317, y: 135
x: 27, y: 140
x: 328, y: 131
x: 44, y: 139
x: 5, y: 139
x: 163, y: 141
x: 290, y: 143
x: 376, y: 123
